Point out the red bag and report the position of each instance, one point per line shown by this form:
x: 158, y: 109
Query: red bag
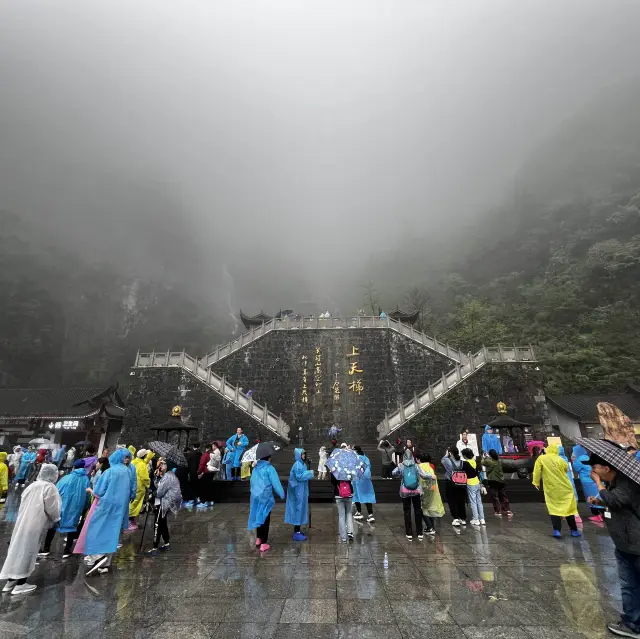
x: 459, y: 477
x: 344, y: 490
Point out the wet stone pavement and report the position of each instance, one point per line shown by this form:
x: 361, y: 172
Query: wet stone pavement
x: 511, y: 579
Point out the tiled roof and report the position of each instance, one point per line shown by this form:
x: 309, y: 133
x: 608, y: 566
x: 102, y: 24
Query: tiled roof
x: 585, y: 407
x: 47, y: 402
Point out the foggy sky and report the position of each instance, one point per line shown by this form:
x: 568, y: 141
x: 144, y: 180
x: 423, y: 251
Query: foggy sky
x: 285, y: 139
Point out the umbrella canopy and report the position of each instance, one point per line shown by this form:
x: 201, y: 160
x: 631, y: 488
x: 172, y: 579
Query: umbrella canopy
x: 345, y: 464
x: 82, y: 443
x: 169, y: 452
x: 39, y: 440
x: 615, y: 454
x: 260, y: 451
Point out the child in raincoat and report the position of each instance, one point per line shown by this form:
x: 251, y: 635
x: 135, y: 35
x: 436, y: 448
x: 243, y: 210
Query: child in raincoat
x: 363, y: 492
x: 431, y: 501
x: 297, y: 508
x: 264, y: 482
x: 580, y: 459
x: 4, y: 477
x: 75, y: 499
x: 558, y: 491
x: 322, y: 462
x: 39, y: 509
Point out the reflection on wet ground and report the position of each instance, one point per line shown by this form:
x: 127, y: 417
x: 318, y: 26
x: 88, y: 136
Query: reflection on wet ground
x: 511, y: 579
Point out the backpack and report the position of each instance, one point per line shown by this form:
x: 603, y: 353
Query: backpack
x: 410, y: 477
x: 459, y: 477
x: 344, y: 490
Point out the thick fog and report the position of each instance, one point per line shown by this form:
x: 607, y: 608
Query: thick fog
x: 232, y: 143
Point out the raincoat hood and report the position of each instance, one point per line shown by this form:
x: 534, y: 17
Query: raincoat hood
x: 323, y: 449
x: 78, y: 471
x: 48, y: 472
x: 488, y: 428
x: 3, y: 457
x: 17, y: 449
x: 298, y: 454
x: 132, y: 450
x: 408, y: 459
x: 578, y: 452
x: 561, y: 452
x: 119, y: 456
x: 552, y: 449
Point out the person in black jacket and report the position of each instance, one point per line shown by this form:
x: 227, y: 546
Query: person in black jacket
x: 193, y: 461
x: 621, y: 498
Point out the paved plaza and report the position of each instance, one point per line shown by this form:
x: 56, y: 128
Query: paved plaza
x: 511, y: 579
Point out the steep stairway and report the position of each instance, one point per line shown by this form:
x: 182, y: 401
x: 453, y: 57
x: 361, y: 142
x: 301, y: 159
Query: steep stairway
x: 451, y: 380
x: 218, y: 384
x: 332, y: 323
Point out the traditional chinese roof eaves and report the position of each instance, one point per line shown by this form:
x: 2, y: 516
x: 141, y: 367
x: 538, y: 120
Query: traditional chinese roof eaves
x: 585, y: 407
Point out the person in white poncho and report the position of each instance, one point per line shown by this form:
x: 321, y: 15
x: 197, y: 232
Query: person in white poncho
x: 39, y: 510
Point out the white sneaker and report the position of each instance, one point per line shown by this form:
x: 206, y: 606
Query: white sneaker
x: 24, y: 589
x: 420, y: 537
x: 371, y: 519
x: 409, y: 537
x: 455, y: 522
x: 463, y: 522
x: 358, y: 516
x: 10, y: 585
x: 483, y: 522
x: 474, y: 522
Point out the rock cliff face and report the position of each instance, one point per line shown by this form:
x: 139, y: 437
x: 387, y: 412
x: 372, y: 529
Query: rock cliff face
x: 352, y: 377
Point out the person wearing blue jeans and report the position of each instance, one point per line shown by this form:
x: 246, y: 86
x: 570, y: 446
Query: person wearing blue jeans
x: 344, y: 506
x: 620, y: 496
x: 474, y: 487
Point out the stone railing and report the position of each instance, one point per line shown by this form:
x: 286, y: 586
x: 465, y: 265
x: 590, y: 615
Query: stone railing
x: 451, y: 380
x: 336, y: 323
x: 218, y: 384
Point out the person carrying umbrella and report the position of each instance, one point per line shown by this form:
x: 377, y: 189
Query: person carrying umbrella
x: 297, y: 508
x: 363, y: 492
x: 616, y: 473
x: 264, y: 482
x: 345, y: 466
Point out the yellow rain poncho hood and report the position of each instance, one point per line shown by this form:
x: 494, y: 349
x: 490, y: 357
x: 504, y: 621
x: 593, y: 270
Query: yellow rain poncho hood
x: 558, y: 491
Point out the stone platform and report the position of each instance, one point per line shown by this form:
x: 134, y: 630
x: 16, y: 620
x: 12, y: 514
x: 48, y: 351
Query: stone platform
x: 510, y: 580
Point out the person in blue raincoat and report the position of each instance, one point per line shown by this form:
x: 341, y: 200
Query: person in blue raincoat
x: 490, y: 441
x: 75, y: 499
x: 363, y: 492
x: 580, y: 459
x: 562, y: 454
x: 227, y: 463
x: 264, y: 482
x: 111, y: 515
x: 236, y: 445
x: 297, y: 509
x: 26, y: 464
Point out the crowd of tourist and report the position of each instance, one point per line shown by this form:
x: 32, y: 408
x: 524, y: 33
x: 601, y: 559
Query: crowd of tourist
x: 95, y: 500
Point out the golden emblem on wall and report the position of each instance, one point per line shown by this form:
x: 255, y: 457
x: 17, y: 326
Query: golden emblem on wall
x: 502, y: 408
x: 176, y: 411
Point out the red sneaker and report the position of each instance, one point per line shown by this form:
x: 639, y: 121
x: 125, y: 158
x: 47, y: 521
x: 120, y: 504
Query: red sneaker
x: 258, y: 542
x: 265, y: 547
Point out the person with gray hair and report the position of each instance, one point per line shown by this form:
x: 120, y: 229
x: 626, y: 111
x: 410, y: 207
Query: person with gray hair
x: 39, y: 510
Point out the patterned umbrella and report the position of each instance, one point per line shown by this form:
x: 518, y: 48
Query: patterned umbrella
x: 169, y: 452
x: 260, y: 451
x: 345, y: 464
x: 615, y: 454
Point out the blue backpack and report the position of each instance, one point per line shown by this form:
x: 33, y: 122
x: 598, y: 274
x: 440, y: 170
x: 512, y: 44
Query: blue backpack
x: 410, y: 477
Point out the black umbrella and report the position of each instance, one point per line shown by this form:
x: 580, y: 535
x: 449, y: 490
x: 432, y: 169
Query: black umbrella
x: 169, y: 452
x: 261, y: 451
x: 82, y: 443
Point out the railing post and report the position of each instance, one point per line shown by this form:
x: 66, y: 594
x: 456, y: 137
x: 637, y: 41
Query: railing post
x: 265, y: 415
x: 472, y: 362
x: 389, y: 322
x: 135, y: 364
x: 237, y: 396
x: 195, y: 366
x: 167, y: 358
x: 286, y: 321
x: 515, y: 353
x: 209, y: 374
x: 251, y: 333
x: 217, y: 354
x: 223, y: 386
x: 411, y: 332
x: 448, y: 351
x: 250, y: 406
x: 318, y: 322
x: 416, y: 403
x: 500, y: 353
x: 459, y: 372
x: 431, y: 394
x: 531, y: 353
x: 153, y: 358
x: 445, y: 385
x: 401, y: 411
x: 386, y: 423
x: 240, y: 341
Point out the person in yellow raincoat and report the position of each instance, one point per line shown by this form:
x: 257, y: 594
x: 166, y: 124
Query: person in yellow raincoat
x: 431, y: 501
x: 142, y: 458
x: 551, y: 469
x: 4, y: 477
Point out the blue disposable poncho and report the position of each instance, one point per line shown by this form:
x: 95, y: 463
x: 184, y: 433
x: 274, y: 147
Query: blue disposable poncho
x: 60, y: 454
x: 561, y: 453
x: 490, y: 441
x: 237, y: 446
x: 264, y: 481
x: 589, y: 487
x: 297, y: 508
x: 75, y: 498
x: 363, y: 492
x: 28, y: 459
x: 114, y: 491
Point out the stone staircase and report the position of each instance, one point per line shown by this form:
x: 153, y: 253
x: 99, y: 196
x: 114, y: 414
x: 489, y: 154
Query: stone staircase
x: 332, y: 323
x: 218, y: 384
x: 451, y: 380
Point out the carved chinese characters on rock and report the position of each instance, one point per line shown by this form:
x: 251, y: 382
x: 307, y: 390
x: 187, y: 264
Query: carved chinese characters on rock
x: 304, y: 394
x: 336, y: 390
x: 317, y: 372
x: 355, y: 371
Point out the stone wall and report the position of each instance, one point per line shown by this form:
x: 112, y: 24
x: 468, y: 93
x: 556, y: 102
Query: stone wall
x: 393, y: 368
